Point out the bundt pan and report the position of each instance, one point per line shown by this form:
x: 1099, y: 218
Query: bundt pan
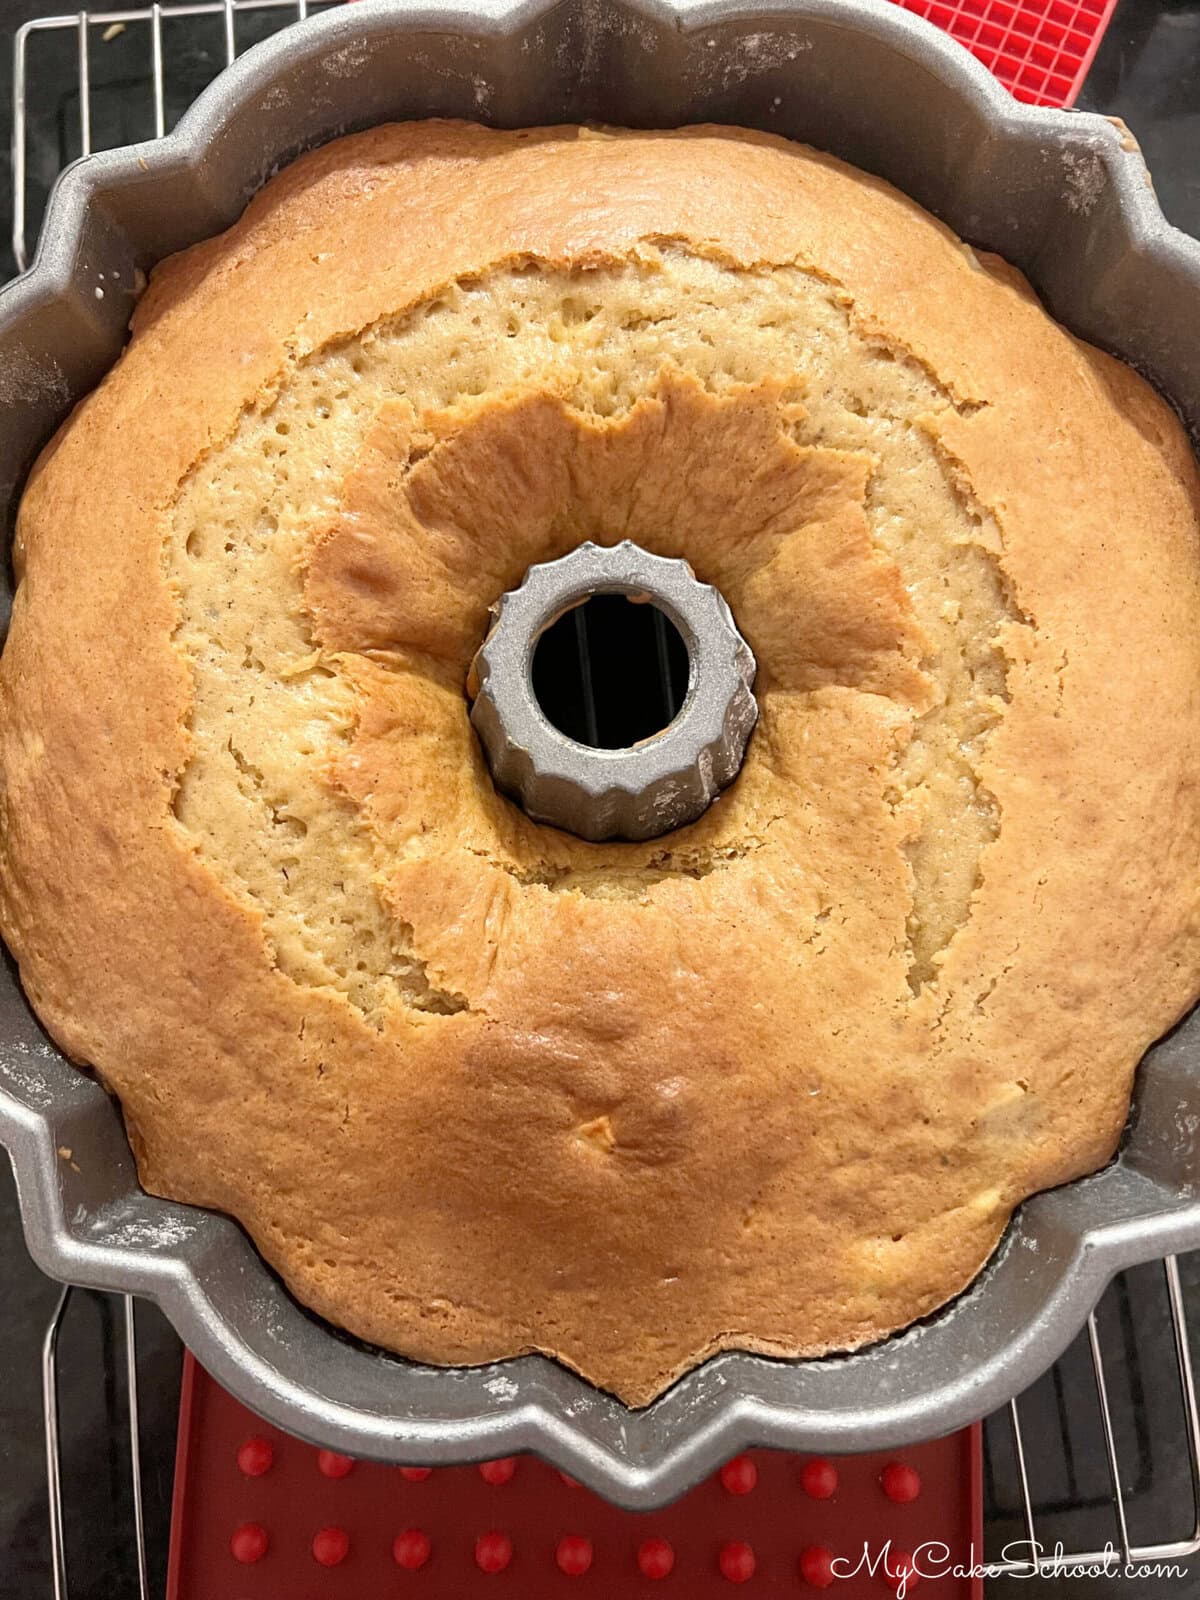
x: 1063, y: 195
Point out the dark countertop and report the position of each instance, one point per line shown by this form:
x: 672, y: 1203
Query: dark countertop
x: 1148, y: 72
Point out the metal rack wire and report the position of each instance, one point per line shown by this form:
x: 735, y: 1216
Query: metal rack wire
x: 54, y: 1473
x: 1126, y: 1555
x: 158, y: 22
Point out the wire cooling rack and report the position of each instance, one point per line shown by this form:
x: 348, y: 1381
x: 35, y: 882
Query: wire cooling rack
x: 133, y: 74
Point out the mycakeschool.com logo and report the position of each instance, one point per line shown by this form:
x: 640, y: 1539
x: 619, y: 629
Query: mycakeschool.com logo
x: 904, y: 1569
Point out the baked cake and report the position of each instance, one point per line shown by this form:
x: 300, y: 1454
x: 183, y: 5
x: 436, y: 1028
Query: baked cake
x: 774, y: 1081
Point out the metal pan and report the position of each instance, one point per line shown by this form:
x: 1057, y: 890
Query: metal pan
x: 1063, y: 195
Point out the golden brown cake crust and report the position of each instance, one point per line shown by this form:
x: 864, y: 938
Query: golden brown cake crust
x: 774, y: 1082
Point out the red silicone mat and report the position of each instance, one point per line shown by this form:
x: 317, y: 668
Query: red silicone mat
x: 260, y: 1516
x: 1039, y: 49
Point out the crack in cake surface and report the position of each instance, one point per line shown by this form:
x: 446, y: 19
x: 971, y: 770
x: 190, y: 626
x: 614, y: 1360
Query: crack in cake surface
x: 274, y: 715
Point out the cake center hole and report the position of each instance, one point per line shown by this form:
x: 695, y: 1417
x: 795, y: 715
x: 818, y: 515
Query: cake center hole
x: 610, y: 672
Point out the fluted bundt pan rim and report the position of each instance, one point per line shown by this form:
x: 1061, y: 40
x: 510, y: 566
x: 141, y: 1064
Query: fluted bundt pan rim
x: 1067, y: 197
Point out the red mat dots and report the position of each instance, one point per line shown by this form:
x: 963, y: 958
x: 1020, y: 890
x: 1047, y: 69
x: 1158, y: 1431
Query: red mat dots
x: 816, y: 1566
x: 900, y: 1571
x: 656, y: 1558
x: 736, y: 1561
x: 330, y: 1546
x: 484, y: 1530
x: 739, y: 1476
x: 900, y: 1482
x: 249, y: 1543
x: 574, y: 1555
x: 411, y: 1549
x: 255, y: 1457
x: 1039, y: 49
x: 493, y: 1552
x: 819, y: 1479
